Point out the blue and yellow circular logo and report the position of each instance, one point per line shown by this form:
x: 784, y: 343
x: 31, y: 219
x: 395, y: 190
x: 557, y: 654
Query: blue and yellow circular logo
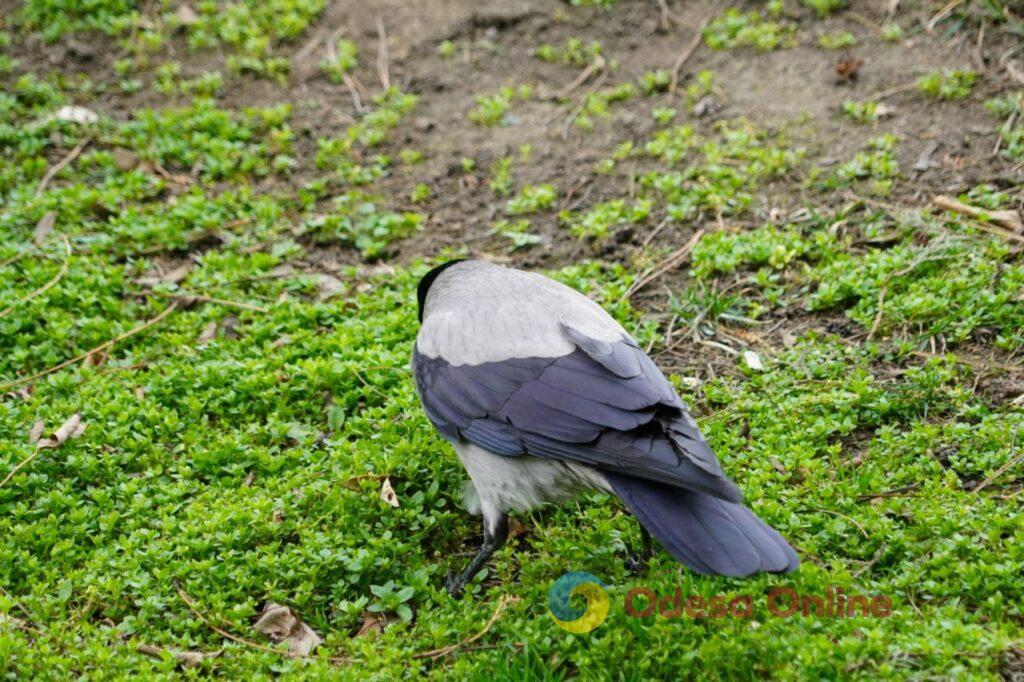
x: 572, y: 619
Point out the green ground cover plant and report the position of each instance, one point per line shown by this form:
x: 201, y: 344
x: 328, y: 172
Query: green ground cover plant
x: 216, y: 295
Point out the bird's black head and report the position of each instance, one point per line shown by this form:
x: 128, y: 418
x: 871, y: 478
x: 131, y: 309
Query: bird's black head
x: 428, y: 280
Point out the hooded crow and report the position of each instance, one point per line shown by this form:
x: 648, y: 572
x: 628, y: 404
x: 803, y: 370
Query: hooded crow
x: 543, y: 396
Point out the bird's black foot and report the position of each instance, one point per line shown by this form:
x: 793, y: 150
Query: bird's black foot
x: 638, y: 562
x: 454, y: 585
x: 495, y: 534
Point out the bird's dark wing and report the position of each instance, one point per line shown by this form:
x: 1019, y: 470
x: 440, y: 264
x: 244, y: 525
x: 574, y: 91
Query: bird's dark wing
x: 605, y: 404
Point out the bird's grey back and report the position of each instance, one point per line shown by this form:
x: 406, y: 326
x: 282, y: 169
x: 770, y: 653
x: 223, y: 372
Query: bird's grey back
x: 478, y: 312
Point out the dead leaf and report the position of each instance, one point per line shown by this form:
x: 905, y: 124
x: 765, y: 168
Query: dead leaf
x: 23, y: 392
x: 376, y: 622
x: 753, y: 360
x: 424, y: 124
x: 329, y: 286
x: 186, y: 15
x: 924, y: 159
x: 43, y: 228
x: 36, y: 432
x: 140, y: 392
x: 74, y: 114
x: 884, y: 110
x: 353, y: 483
x: 285, y: 270
x: 847, y: 69
x: 249, y: 478
x: 282, y: 624
x: 96, y: 359
x: 208, y: 334
x: 172, y: 276
x: 69, y: 430
x: 188, y: 659
x: 229, y: 327
x: 387, y: 493
x: 278, y: 516
x: 705, y: 105
x: 375, y: 270
x: 517, y: 528
x: 371, y: 625
x: 748, y: 336
x: 125, y: 159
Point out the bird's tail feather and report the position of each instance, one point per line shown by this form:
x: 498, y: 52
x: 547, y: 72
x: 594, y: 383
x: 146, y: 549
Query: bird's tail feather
x: 710, y: 535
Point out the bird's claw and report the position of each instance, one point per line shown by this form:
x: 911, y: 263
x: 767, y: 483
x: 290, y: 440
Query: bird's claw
x: 636, y: 564
x: 453, y: 584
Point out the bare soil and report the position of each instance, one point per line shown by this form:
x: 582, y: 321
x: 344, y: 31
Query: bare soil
x: 794, y: 91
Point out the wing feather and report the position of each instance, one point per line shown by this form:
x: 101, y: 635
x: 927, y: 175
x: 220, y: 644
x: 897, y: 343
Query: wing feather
x: 572, y: 408
x: 520, y: 364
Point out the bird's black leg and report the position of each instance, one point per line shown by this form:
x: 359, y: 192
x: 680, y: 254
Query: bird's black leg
x: 495, y: 534
x: 636, y: 562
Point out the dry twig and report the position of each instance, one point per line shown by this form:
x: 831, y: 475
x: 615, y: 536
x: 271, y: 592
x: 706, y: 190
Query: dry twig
x: 687, y: 52
x: 188, y: 299
x: 188, y: 659
x: 594, y: 66
x: 878, y: 315
x: 665, y: 20
x: 870, y: 563
x: 674, y: 260
x: 942, y: 14
x: 46, y: 287
x: 382, y: 54
x: 13, y: 259
x: 1001, y: 470
x: 355, y: 88
x: 1007, y: 219
x: 983, y: 365
x: 103, y: 346
x: 342, y: 660
x: 852, y: 520
x: 1015, y: 74
x: 882, y: 94
x: 582, y: 103
x: 61, y: 165
x: 895, y: 492
x: 503, y: 602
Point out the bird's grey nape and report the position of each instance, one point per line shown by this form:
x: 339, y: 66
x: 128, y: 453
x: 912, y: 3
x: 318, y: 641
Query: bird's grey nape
x: 427, y: 280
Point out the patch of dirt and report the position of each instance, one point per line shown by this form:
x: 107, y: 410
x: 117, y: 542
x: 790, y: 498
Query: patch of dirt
x: 792, y: 91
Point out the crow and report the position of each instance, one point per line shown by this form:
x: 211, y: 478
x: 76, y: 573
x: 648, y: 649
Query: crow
x: 544, y: 396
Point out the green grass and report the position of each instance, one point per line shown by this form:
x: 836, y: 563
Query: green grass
x: 955, y: 84
x: 733, y: 29
x: 241, y: 415
x: 491, y: 110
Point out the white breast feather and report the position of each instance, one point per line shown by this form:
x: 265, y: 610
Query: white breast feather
x: 501, y: 484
